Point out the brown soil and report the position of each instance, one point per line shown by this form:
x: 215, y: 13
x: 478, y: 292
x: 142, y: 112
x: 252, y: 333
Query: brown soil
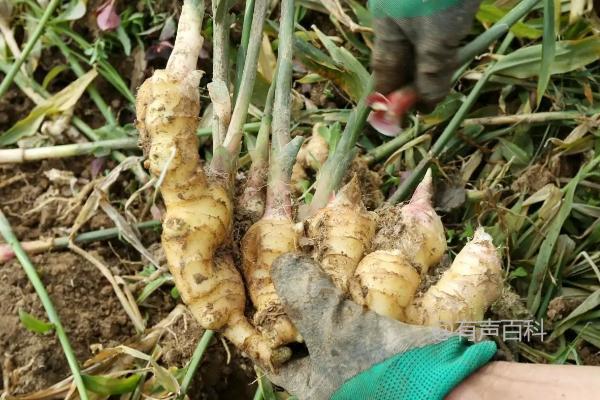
x: 13, y: 106
x: 221, y: 376
x: 86, y: 305
x: 84, y: 299
x: 369, y: 181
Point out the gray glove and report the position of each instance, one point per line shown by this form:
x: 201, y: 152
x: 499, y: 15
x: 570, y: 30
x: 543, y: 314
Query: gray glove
x: 419, y: 51
x: 343, y: 339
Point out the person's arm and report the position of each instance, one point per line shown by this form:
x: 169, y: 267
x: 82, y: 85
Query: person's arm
x: 506, y: 380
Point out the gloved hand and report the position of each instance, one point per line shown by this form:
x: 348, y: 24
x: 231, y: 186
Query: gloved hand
x: 416, y: 44
x: 358, y: 354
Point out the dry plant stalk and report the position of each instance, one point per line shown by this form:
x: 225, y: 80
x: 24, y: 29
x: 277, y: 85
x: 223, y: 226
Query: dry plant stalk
x: 197, y: 223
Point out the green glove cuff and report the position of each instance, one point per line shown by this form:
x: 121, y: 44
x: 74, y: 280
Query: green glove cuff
x: 409, y: 8
x: 426, y: 373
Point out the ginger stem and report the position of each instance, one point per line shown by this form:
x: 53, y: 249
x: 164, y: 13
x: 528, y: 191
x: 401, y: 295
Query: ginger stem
x: 220, y: 11
x: 283, y: 149
x: 274, y: 234
x: 252, y: 202
x: 189, y: 41
x: 233, y: 138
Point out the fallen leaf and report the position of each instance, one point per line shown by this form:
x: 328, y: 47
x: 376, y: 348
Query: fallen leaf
x: 107, y: 17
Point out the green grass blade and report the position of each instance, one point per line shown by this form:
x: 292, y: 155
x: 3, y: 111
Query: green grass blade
x: 195, y: 362
x: 548, y: 49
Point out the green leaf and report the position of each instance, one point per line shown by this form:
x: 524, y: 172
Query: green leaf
x: 59, y: 102
x: 344, y: 59
x: 74, y: 11
x: 265, y: 386
x: 124, y: 39
x: 548, y: 49
x: 570, y: 55
x: 153, y: 286
x: 164, y: 377
x: 511, y: 151
x: 488, y: 14
x: 364, y: 16
x: 310, y: 78
x: 33, y: 324
x: 520, y: 272
x: 108, y: 386
x: 347, y: 73
x: 445, y: 109
x: 53, y: 73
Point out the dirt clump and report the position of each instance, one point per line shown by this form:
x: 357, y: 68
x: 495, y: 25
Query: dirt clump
x: 369, y: 182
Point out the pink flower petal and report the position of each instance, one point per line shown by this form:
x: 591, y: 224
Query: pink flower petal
x: 384, y: 122
x: 96, y: 166
x: 107, y: 17
x: 378, y: 102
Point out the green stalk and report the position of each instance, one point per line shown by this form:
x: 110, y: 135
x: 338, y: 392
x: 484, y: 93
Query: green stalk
x: 250, y: 127
x: 35, y: 280
x: 387, y: 148
x: 194, y: 363
x: 261, y: 149
x: 283, y: 149
x: 282, y: 103
x: 241, y: 54
x: 68, y: 150
x: 548, y: 50
x: 252, y: 201
x: 233, y: 138
x: 10, y: 75
x: 332, y: 172
x: 43, y: 245
x: 437, y: 149
x: 530, y: 118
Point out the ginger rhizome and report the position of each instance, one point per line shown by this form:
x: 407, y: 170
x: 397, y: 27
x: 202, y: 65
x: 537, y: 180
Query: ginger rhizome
x: 311, y: 156
x: 198, y: 219
x: 411, y: 241
x: 341, y: 234
x: 466, y: 290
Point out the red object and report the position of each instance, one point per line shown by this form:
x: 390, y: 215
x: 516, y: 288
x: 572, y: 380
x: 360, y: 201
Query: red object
x: 107, y: 17
x: 388, y: 111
